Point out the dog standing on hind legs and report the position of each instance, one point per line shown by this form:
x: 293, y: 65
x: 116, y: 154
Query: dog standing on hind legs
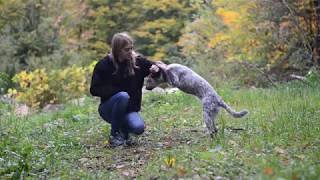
x: 190, y: 82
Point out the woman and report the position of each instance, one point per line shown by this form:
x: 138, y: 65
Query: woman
x: 118, y: 79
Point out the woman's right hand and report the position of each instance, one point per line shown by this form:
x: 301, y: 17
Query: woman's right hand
x: 154, y: 69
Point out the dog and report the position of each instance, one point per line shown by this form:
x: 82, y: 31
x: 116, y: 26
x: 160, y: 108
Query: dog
x: 188, y: 81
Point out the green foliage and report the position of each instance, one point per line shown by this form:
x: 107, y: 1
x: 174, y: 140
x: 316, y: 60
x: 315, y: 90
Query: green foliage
x: 28, y: 32
x: 41, y: 87
x: 34, y: 89
x: 276, y: 36
x: 162, y: 25
x: 154, y: 24
x: 41, y: 34
x: 54, y: 34
x: 70, y: 83
x: 273, y: 36
x: 313, y: 76
x: 284, y: 36
x: 20, y: 157
x: 5, y: 82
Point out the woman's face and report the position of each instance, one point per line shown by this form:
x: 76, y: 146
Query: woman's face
x: 126, y: 53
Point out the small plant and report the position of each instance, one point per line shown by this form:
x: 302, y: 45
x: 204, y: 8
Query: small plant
x: 18, y: 162
x: 170, y: 161
x: 34, y: 88
x: 313, y: 76
x: 42, y: 87
x: 5, y: 82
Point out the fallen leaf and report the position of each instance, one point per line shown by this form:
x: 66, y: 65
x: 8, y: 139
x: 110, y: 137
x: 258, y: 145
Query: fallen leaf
x: 120, y: 166
x: 268, y: 171
x: 285, y: 161
x: 294, y: 177
x: 280, y: 151
x: 216, y: 149
x: 301, y: 156
x: 126, y: 173
x: 83, y: 160
x: 181, y: 172
x: 233, y: 143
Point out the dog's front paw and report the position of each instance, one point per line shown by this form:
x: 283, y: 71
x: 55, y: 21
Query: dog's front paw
x: 214, y: 133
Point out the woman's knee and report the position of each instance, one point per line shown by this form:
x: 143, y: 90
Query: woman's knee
x: 122, y: 101
x: 139, y: 129
x: 103, y: 111
x: 136, y: 123
x: 124, y: 96
x: 119, y: 100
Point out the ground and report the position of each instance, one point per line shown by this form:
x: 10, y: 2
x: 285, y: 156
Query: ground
x: 278, y: 139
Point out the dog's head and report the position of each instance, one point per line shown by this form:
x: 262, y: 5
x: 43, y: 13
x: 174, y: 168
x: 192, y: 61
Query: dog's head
x: 154, y: 81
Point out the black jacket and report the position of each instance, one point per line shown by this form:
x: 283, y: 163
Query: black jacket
x: 105, y: 84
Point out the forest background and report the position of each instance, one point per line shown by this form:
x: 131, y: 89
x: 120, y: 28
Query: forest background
x: 49, y: 48
x: 260, y: 55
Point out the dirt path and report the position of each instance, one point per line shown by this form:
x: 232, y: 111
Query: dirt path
x: 129, y: 161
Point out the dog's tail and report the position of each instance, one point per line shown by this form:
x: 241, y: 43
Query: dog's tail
x: 232, y: 111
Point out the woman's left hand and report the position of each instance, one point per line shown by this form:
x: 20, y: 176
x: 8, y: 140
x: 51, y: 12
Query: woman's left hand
x: 154, y: 69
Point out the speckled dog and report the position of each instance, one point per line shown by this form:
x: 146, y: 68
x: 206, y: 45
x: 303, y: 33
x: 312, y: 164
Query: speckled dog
x: 190, y: 82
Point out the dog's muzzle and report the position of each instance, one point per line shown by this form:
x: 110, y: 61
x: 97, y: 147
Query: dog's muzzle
x: 149, y: 88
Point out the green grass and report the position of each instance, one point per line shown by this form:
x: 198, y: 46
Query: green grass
x: 280, y: 139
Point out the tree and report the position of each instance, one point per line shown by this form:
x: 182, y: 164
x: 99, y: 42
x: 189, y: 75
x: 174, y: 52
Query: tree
x: 43, y: 34
x: 162, y: 24
x: 155, y: 25
x: 316, y: 47
x: 28, y: 31
x: 276, y: 37
x: 107, y: 17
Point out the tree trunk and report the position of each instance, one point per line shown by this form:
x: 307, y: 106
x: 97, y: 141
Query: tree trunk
x: 316, y: 46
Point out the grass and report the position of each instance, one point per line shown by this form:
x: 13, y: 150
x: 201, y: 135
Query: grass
x: 280, y: 139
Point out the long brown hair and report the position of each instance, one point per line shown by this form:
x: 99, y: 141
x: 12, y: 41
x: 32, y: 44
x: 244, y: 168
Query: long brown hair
x: 119, y: 41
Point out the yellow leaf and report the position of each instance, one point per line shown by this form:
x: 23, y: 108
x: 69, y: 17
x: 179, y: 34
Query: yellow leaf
x: 181, y: 172
x: 170, y: 162
x: 228, y: 17
x: 219, y: 37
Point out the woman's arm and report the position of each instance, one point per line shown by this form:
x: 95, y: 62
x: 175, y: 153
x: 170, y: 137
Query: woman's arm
x: 148, y: 67
x: 101, y: 82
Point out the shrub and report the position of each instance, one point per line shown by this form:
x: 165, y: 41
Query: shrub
x: 5, y: 82
x: 33, y: 88
x: 41, y: 87
x: 313, y: 76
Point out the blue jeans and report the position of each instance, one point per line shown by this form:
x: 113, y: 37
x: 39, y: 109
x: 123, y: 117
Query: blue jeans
x: 115, y: 112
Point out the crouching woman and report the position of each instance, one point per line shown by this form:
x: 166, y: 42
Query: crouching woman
x: 118, y: 79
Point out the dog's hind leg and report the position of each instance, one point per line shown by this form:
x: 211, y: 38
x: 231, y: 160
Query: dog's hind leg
x: 210, y: 112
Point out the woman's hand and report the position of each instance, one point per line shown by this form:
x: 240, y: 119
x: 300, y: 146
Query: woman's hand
x: 162, y: 65
x: 154, y: 69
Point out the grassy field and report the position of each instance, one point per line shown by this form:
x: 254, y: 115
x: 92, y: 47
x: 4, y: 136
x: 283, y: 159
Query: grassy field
x: 280, y: 139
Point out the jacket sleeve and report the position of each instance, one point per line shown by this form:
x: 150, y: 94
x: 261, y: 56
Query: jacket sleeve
x: 101, y: 83
x: 146, y: 65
